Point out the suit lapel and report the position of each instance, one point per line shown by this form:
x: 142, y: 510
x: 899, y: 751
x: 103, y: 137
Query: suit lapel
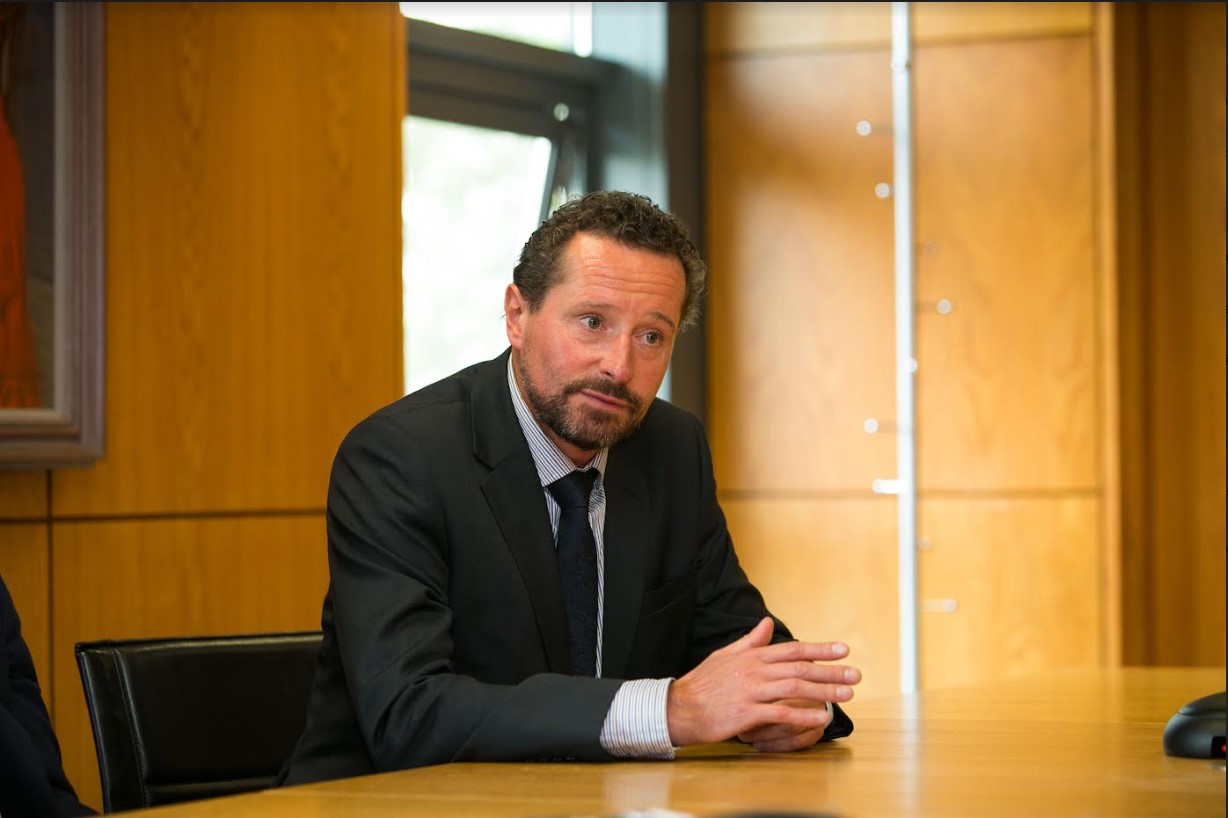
x: 626, y: 553
x: 514, y: 493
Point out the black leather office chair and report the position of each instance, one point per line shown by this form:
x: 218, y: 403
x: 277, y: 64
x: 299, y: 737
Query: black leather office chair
x: 188, y: 718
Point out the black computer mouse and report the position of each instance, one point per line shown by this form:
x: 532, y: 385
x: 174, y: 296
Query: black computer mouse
x: 1197, y: 729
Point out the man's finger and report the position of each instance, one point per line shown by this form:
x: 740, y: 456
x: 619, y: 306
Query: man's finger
x: 805, y: 651
x: 771, y: 732
x: 786, y: 744
x: 794, y: 688
x: 757, y: 637
x: 811, y: 672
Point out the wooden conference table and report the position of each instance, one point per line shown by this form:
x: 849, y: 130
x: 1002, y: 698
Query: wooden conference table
x: 1069, y: 743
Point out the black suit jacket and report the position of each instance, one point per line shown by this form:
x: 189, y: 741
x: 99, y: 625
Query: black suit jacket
x: 32, y: 780
x: 445, y: 637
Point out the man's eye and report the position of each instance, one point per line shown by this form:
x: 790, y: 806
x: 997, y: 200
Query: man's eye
x: 591, y: 322
x: 653, y: 338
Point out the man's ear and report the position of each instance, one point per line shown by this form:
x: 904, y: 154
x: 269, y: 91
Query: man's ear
x: 515, y: 310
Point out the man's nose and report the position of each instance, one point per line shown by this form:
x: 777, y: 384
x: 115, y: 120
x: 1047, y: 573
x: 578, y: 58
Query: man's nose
x: 616, y: 359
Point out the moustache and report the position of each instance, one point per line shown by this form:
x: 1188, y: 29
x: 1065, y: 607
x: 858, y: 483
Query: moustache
x: 614, y: 390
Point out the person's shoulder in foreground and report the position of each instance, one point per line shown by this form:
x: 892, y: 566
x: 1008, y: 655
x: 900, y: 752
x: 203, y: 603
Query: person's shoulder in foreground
x: 32, y: 779
x: 449, y: 633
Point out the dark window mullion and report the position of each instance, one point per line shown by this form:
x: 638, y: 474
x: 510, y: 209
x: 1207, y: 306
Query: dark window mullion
x: 450, y: 75
x: 505, y: 56
x: 482, y: 113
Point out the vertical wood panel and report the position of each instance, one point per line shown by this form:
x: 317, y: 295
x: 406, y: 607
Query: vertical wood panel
x: 1007, y: 390
x: 764, y: 27
x: 946, y: 22
x: 1110, y: 331
x: 1185, y: 328
x: 23, y: 564
x: 1025, y: 578
x: 778, y: 27
x: 121, y: 580
x: 1010, y: 384
x: 827, y: 568
x: 800, y: 317
x: 253, y: 297
x: 253, y: 251
x: 23, y: 495
x: 1137, y: 605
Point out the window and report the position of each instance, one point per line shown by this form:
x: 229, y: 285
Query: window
x: 560, y: 26
x: 503, y: 128
x: 497, y: 136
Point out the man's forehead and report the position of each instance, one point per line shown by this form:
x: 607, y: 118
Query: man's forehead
x: 624, y: 272
x: 594, y: 251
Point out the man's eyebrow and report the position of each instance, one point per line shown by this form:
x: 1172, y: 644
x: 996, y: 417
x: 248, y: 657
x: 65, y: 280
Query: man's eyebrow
x: 665, y: 318
x: 599, y: 306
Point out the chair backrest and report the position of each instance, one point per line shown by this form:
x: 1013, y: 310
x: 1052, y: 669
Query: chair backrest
x: 188, y: 718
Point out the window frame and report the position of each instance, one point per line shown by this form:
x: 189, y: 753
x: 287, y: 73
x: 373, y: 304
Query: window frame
x: 485, y: 81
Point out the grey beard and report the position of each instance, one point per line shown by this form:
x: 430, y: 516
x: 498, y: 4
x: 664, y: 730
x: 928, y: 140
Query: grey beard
x: 586, y: 429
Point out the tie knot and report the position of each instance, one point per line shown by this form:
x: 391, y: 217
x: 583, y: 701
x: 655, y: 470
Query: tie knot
x: 572, y: 490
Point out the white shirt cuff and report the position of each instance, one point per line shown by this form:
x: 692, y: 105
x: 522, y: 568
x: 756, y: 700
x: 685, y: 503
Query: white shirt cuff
x: 636, y: 725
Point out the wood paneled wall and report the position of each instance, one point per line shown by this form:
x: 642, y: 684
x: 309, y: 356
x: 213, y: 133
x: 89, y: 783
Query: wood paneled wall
x: 1170, y: 92
x: 1070, y: 206
x: 1011, y: 401
x: 253, y: 315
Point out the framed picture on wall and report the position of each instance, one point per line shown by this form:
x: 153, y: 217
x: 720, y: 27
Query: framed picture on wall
x: 51, y: 234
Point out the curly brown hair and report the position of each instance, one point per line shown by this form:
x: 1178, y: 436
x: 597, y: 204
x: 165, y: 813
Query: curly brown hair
x: 631, y: 219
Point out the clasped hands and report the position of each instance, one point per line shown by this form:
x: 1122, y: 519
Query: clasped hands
x: 772, y: 696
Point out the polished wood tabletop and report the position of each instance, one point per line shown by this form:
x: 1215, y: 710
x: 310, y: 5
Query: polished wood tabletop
x: 1069, y: 743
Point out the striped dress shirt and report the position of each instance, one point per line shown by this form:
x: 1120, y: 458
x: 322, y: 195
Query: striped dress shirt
x: 635, y: 726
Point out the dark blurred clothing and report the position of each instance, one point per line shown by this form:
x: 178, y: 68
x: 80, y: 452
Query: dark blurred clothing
x: 32, y: 779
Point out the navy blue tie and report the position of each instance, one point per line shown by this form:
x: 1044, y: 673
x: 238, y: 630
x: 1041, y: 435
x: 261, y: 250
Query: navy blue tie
x: 577, y: 551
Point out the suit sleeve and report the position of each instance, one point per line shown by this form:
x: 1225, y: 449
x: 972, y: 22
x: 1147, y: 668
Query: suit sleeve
x: 728, y: 605
x: 388, y: 553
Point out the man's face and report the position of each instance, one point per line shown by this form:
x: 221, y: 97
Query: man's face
x: 591, y: 358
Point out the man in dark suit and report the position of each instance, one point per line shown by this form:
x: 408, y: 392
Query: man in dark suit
x: 32, y: 780
x: 449, y: 627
